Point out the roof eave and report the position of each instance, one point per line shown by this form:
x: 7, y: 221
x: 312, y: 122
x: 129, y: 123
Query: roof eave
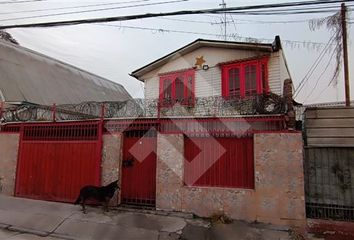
x: 275, y: 46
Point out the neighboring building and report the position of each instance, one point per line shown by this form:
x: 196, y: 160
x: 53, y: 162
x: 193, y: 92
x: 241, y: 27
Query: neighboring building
x: 27, y: 76
x: 208, y: 72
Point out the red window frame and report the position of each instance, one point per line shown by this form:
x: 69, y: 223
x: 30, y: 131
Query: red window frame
x: 245, y: 88
x: 177, y: 87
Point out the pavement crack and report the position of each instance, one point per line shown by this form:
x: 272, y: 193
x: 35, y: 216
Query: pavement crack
x: 61, y: 223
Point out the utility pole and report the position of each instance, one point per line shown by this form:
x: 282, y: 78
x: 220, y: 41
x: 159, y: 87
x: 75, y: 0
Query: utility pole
x: 345, y: 54
x: 223, y: 4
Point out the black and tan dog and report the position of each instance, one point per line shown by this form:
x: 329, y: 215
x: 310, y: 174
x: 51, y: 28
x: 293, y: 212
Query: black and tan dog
x: 101, y: 194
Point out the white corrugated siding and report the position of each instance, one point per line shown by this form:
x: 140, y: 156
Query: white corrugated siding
x: 152, y: 86
x: 275, y: 84
x: 208, y: 83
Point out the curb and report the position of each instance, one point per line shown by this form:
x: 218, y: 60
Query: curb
x: 30, y: 231
x: 158, y: 212
x: 62, y: 236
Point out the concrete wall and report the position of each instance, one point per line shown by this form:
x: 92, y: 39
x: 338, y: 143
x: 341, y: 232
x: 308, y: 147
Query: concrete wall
x: 8, y: 159
x: 278, y: 197
x: 111, y: 161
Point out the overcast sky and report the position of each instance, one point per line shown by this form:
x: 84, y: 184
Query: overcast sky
x: 114, y: 52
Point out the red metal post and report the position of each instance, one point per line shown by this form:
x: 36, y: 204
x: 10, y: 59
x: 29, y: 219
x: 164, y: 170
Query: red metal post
x: 103, y: 111
x: 1, y: 108
x: 54, y: 109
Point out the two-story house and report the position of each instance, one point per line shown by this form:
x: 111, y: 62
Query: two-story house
x: 222, y: 111
x: 216, y: 78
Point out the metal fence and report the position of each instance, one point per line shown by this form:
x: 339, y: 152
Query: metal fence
x: 140, y: 108
x: 329, y: 183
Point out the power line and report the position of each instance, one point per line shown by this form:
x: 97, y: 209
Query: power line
x: 319, y: 78
x: 164, y: 30
x: 183, y: 12
x: 73, y: 7
x: 300, y: 8
x: 27, y: 1
x: 93, y: 10
x: 322, y: 92
x: 313, y: 67
x: 186, y: 20
x: 284, y: 12
x: 239, y: 21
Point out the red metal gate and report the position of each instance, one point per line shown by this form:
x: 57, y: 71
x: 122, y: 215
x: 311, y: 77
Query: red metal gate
x: 139, y: 168
x: 57, y: 159
x: 219, y: 162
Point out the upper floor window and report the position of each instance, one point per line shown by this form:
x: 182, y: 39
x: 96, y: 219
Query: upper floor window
x: 245, y: 79
x: 177, y: 87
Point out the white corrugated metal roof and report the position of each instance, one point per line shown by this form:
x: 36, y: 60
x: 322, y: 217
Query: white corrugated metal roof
x: 26, y: 75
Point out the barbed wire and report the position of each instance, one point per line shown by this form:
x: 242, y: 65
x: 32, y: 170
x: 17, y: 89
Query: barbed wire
x: 137, y: 108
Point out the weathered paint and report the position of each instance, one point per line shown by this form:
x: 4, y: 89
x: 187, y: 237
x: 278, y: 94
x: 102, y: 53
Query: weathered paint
x: 139, y: 168
x: 57, y: 159
x: 219, y: 162
x: 278, y: 196
x: 9, y: 143
x: 208, y: 83
x: 331, y: 230
x: 111, y: 162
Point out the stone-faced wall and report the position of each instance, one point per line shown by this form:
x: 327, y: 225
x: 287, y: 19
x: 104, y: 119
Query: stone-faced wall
x: 9, y: 144
x: 278, y: 197
x: 111, y: 161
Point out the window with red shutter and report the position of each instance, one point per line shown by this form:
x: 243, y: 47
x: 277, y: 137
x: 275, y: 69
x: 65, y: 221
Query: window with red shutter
x: 177, y: 88
x: 245, y: 79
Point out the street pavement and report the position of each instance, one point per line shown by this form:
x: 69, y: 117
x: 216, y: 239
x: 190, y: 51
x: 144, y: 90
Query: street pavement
x: 25, y: 219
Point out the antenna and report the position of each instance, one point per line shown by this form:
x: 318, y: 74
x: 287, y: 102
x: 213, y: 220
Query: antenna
x: 223, y: 5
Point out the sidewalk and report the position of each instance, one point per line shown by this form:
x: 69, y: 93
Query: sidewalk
x: 66, y: 221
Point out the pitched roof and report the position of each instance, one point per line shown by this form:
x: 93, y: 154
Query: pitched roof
x: 266, y: 47
x: 28, y: 76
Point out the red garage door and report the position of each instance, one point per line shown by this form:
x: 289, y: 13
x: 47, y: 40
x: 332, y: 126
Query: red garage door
x: 219, y: 162
x: 57, y: 159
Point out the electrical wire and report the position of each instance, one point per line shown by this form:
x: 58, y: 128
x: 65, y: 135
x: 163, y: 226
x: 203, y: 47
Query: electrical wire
x: 73, y: 7
x: 313, y: 67
x: 93, y: 10
x: 318, y: 79
x: 27, y: 1
x: 328, y: 85
x: 164, y: 30
x: 175, y: 13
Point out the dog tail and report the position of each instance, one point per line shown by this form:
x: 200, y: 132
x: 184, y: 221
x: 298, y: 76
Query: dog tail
x: 78, y: 200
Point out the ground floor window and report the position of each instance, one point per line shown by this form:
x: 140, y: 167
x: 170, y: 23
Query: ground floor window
x: 219, y: 162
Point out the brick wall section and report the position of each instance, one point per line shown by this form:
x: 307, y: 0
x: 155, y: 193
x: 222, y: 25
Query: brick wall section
x: 278, y: 197
x: 111, y: 161
x: 8, y: 159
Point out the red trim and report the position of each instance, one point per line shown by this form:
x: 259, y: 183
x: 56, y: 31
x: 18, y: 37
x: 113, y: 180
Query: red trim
x: 225, y: 85
x: 184, y: 75
x: 243, y: 60
x: 178, y: 71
